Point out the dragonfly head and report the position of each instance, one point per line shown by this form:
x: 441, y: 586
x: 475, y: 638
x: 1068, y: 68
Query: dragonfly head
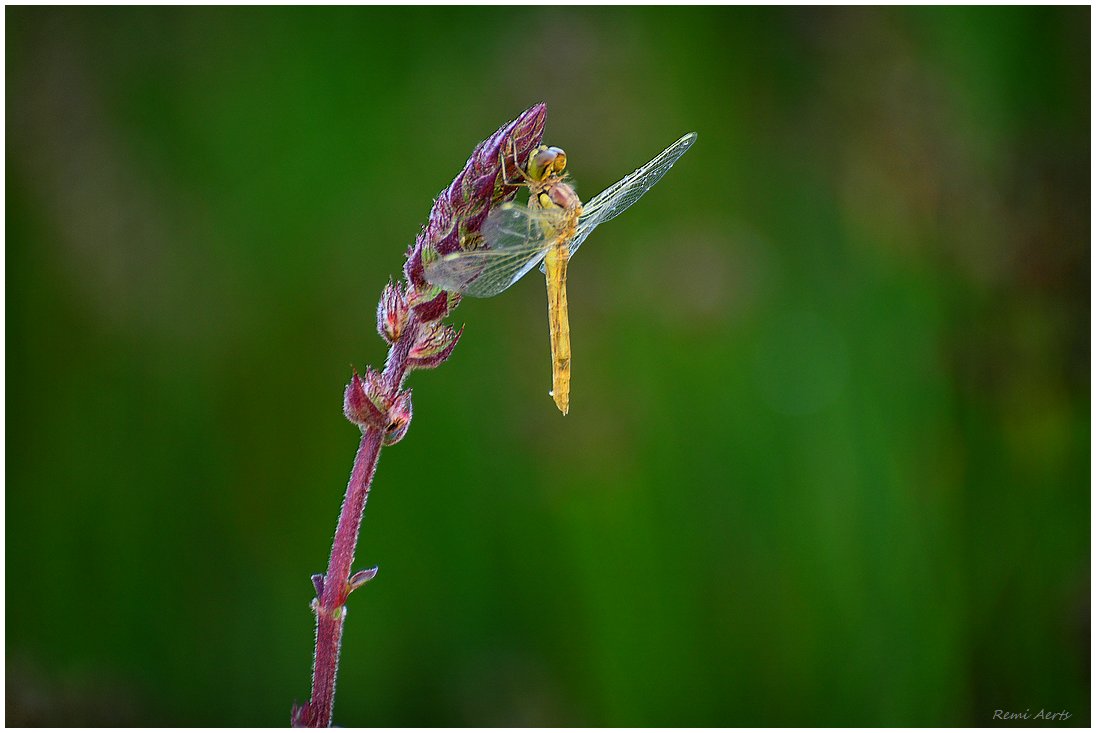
x: 545, y: 162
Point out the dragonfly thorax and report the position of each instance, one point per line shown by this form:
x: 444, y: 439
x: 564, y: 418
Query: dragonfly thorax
x: 559, y: 195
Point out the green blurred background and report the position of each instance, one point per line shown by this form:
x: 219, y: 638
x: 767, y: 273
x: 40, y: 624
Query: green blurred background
x: 827, y: 461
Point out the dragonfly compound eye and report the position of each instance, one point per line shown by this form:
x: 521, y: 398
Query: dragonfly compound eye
x: 560, y: 161
x: 545, y: 161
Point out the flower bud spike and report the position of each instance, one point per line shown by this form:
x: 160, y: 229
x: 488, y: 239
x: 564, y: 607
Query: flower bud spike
x: 481, y: 184
x: 409, y: 317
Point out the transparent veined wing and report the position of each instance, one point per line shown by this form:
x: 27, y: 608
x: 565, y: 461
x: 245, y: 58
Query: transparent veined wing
x: 516, y: 239
x: 616, y: 198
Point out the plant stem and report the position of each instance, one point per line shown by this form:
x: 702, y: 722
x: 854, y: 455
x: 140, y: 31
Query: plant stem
x: 331, y: 610
x: 331, y: 606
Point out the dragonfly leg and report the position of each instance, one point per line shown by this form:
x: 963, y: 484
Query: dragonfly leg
x: 525, y: 179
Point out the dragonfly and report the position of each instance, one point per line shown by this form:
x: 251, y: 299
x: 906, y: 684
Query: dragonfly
x: 547, y: 231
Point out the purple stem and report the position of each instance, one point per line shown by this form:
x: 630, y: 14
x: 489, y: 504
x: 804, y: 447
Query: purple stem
x: 331, y: 609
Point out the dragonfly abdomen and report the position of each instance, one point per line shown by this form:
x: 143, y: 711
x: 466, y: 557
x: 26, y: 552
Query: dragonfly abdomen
x: 559, y: 323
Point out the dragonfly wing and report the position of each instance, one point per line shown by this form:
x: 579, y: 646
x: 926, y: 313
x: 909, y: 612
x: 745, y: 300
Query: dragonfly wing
x: 625, y: 192
x: 616, y: 198
x: 516, y: 239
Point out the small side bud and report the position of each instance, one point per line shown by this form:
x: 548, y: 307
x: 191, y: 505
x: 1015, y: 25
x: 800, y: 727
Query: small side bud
x: 317, y: 583
x: 300, y: 716
x: 434, y: 345
x: 392, y: 313
x: 360, y: 578
x: 364, y: 403
x: 399, y: 418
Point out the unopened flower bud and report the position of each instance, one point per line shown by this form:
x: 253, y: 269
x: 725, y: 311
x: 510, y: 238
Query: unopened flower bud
x: 364, y: 403
x: 399, y: 418
x: 430, y: 303
x: 392, y: 313
x: 434, y: 345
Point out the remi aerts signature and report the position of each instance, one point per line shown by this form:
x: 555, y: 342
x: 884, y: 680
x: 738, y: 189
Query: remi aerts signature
x: 1026, y: 715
